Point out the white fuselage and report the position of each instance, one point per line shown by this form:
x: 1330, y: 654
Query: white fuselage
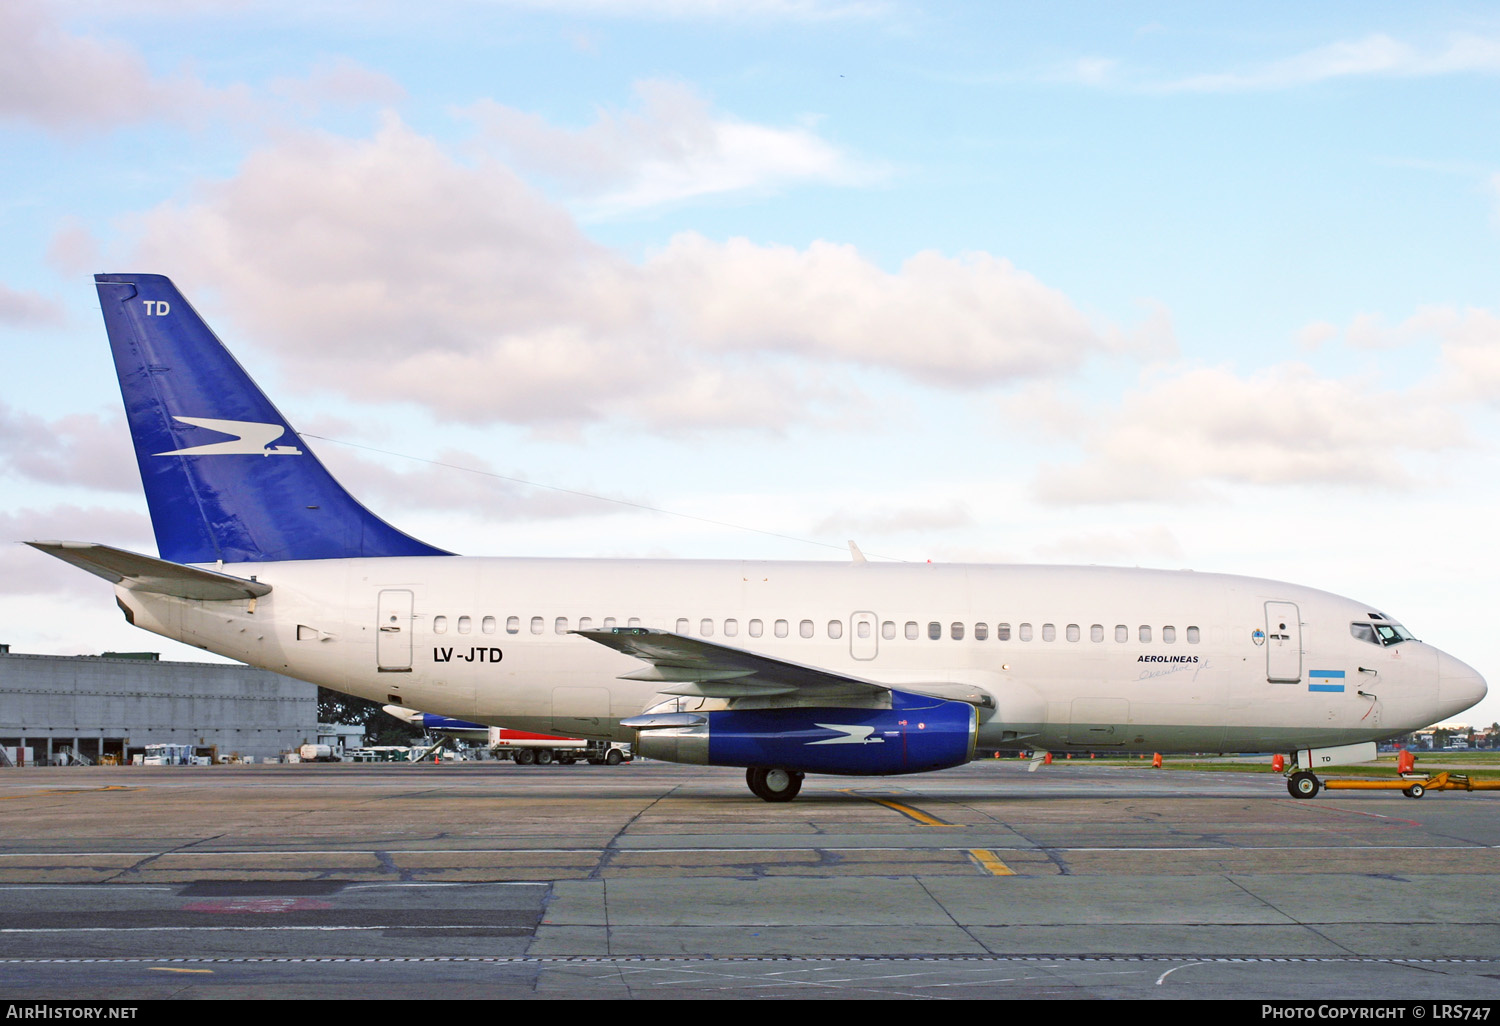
x: 1081, y: 657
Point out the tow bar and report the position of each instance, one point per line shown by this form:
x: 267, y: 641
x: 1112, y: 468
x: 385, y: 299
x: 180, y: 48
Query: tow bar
x: 1415, y: 787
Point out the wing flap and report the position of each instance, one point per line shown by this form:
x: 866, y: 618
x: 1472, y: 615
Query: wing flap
x: 698, y: 667
x: 147, y: 573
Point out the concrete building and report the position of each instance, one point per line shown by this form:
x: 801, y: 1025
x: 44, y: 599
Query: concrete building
x: 111, y: 705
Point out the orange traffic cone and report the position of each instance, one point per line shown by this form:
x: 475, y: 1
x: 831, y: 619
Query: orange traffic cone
x: 1156, y: 761
x: 1278, y: 763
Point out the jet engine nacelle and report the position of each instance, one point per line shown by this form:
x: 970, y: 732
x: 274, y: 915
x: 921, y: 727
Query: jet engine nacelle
x: 916, y: 734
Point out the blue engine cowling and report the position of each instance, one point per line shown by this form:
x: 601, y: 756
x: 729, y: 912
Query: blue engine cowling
x: 918, y: 733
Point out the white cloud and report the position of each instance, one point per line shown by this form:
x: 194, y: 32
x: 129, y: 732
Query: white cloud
x: 1471, y: 353
x: 1284, y: 425
x: 672, y: 148
x: 456, y: 480
x: 385, y: 268
x: 25, y: 571
x: 80, y: 450
x: 339, y: 82
x: 1469, y: 340
x: 65, y: 82
x: 880, y: 519
x: 974, y: 320
x: 27, y: 308
x: 1132, y: 546
x: 704, y: 10
x: 1370, y: 56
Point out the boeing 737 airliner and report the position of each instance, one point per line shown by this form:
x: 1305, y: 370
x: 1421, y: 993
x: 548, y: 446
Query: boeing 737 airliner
x: 778, y: 667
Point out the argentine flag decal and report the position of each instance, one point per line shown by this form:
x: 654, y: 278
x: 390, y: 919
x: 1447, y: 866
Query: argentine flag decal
x: 1326, y: 680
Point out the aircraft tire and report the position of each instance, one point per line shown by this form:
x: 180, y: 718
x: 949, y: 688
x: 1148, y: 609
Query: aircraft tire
x: 1303, y: 785
x: 525, y: 757
x: 773, y: 784
x: 613, y: 757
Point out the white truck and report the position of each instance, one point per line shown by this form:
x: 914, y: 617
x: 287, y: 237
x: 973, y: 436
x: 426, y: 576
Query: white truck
x: 317, y: 753
x: 526, y: 748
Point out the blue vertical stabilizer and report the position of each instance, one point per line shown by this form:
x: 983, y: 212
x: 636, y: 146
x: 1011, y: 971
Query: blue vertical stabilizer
x: 226, y: 477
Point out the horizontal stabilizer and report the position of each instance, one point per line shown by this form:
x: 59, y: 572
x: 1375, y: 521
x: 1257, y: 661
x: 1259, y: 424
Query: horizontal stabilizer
x: 146, y: 573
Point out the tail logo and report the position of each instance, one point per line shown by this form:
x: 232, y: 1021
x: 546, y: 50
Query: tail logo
x: 249, y: 438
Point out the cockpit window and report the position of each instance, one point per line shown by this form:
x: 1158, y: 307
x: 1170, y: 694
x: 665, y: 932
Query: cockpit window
x: 1381, y: 633
x: 1392, y: 633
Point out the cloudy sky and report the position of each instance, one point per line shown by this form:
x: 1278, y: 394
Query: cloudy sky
x: 1172, y: 285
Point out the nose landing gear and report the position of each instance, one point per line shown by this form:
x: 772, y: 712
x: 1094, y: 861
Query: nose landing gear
x: 1303, y: 785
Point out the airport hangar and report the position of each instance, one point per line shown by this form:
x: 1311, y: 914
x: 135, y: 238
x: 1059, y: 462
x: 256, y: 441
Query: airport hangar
x: 113, y: 705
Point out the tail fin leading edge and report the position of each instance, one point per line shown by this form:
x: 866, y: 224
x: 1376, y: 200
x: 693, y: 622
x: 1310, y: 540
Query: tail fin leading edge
x: 226, y: 477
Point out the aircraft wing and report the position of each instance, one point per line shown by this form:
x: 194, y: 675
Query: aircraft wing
x: 146, y: 573
x: 692, y: 666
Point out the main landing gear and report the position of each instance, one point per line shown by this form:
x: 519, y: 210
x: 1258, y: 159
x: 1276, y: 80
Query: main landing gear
x: 773, y: 784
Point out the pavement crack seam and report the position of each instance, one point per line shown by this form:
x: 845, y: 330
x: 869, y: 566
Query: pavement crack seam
x: 1056, y: 856
x: 137, y: 867
x: 1315, y: 931
x: 952, y: 919
x: 388, y: 864
x: 608, y: 852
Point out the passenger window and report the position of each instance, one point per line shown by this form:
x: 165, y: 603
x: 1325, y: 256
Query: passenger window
x: 1025, y: 632
x: 537, y: 625
x: 585, y: 623
x: 805, y: 628
x: 1122, y: 633
x: 1145, y: 634
x: 862, y: 628
x: 706, y: 627
x: 682, y: 625
x: 465, y: 624
x: 1169, y: 635
x: 757, y: 628
x: 981, y: 631
x: 1096, y: 632
x: 487, y: 625
x: 888, y: 630
x: 560, y: 625
x: 782, y: 628
x: 1073, y: 634
x: 731, y: 628
x: 512, y: 625
x: 911, y: 630
x: 1049, y: 632
x: 1002, y: 632
x: 956, y: 631
x: 440, y: 625
x: 635, y: 621
x: 609, y: 623
x: 835, y: 628
x: 934, y: 630
x: 1193, y: 635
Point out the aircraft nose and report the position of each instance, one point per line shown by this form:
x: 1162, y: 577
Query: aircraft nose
x: 1459, y: 685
